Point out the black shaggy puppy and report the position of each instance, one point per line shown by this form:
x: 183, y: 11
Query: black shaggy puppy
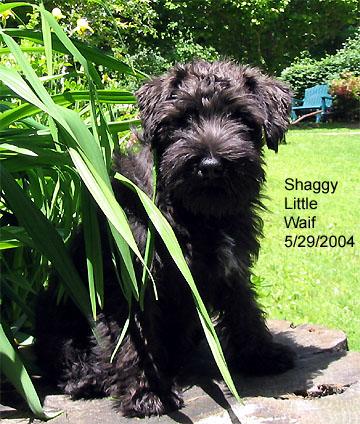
x: 207, y: 123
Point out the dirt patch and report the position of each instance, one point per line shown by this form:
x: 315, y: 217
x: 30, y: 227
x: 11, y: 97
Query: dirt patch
x: 322, y: 390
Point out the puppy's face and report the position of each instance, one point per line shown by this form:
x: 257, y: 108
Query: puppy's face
x: 206, y: 122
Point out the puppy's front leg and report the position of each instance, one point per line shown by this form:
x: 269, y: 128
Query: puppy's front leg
x: 249, y: 345
x: 141, y: 381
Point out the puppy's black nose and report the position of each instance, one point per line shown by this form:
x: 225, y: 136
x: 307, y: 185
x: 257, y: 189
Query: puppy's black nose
x: 210, y: 167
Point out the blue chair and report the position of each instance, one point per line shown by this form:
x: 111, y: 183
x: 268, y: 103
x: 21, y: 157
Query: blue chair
x: 316, y: 98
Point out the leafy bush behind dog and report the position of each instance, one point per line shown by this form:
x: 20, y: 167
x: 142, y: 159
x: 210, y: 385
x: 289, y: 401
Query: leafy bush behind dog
x: 306, y: 72
x: 152, y: 61
x: 346, y: 92
x: 265, y: 33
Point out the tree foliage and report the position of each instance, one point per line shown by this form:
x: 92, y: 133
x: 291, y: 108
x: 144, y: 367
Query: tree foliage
x: 266, y: 33
x: 118, y: 25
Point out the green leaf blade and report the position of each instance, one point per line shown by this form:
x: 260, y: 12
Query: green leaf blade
x: 15, y: 371
x: 51, y: 246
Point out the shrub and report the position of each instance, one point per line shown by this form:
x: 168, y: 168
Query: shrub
x: 150, y: 61
x: 346, y: 90
x: 153, y: 62
x: 187, y: 49
x: 306, y: 72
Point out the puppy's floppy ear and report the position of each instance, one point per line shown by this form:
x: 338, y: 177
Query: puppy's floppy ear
x: 149, y: 97
x: 274, y: 99
x: 277, y: 99
x: 155, y: 102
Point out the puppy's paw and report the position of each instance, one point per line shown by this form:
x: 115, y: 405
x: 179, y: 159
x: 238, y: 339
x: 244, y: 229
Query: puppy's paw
x: 272, y: 358
x: 146, y: 403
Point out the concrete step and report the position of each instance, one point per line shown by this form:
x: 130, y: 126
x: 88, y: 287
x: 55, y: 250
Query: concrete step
x: 323, y: 388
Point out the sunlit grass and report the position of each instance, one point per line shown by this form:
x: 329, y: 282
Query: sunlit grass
x: 316, y: 285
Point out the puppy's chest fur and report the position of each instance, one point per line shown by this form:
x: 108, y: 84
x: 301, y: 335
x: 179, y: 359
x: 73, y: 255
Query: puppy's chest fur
x: 214, y: 255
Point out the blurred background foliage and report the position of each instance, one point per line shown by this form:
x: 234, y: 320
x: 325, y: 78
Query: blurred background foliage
x: 266, y: 33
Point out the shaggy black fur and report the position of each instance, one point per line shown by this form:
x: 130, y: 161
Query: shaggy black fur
x: 206, y: 123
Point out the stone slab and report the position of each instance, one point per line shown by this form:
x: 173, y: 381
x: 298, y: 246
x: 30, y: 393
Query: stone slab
x: 323, y: 388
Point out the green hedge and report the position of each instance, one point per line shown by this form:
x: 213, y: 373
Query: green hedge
x: 306, y: 72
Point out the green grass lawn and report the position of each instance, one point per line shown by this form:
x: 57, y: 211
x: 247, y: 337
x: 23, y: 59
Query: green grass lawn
x: 315, y: 285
